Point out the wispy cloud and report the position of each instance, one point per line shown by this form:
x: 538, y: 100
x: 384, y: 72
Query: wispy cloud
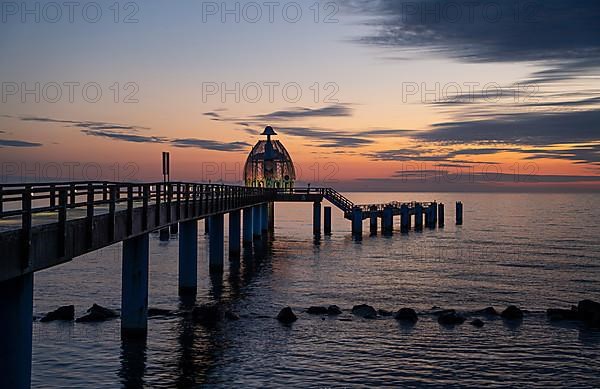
x: 18, y: 143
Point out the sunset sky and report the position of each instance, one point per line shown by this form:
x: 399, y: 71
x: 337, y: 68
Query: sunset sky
x: 366, y: 95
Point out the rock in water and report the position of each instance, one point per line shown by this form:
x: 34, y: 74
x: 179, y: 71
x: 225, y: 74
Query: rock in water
x: 334, y: 310
x: 562, y: 314
x: 365, y: 311
x: 97, y: 313
x: 406, y: 314
x: 512, y: 313
x: 588, y: 309
x: 477, y: 323
x: 207, y: 314
x: 489, y: 311
x: 451, y: 318
x: 287, y: 316
x: 66, y: 312
x: 317, y: 310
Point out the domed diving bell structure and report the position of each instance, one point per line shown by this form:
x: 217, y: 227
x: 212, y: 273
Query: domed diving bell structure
x: 269, y: 164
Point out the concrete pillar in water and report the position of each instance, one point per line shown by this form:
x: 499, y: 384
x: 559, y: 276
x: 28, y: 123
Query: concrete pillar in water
x: 357, y: 222
x: 216, y: 243
x: 388, y: 221
x: 459, y: 213
x: 16, y: 305
x: 188, y: 258
x: 164, y: 234
x: 234, y: 232
x: 404, y: 219
x: 271, y: 216
x: 327, y: 221
x: 441, y: 215
x: 264, y: 214
x: 373, y: 215
x: 418, y: 217
x: 248, y: 227
x: 134, y: 287
x: 256, y: 221
x: 317, y: 218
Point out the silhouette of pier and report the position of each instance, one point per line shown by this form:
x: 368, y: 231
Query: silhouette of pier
x: 47, y: 224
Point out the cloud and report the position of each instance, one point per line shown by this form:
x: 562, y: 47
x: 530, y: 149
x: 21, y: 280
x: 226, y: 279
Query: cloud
x: 210, y: 144
x: 91, y: 125
x: 335, y: 110
x: 18, y: 143
x: 135, y: 138
x: 561, y: 34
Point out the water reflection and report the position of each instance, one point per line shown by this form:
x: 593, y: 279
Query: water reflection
x: 133, y: 362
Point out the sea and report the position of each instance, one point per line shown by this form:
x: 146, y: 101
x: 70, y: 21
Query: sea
x: 535, y: 251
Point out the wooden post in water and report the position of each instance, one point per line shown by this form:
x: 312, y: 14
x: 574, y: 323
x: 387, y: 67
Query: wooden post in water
x: 373, y: 220
x: 357, y: 222
x: 216, y: 242
x: 188, y: 258
x: 327, y: 221
x: 404, y: 219
x: 418, y: 217
x: 16, y: 326
x: 247, y: 227
x: 459, y: 213
x: 134, y: 287
x: 388, y: 221
x: 441, y: 215
x: 317, y: 218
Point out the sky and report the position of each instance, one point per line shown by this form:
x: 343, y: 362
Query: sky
x: 428, y: 95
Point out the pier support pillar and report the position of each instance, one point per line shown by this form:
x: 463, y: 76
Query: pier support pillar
x: 256, y: 220
x: 234, y: 232
x: 373, y: 221
x: 418, y: 217
x: 459, y: 213
x: 388, y: 221
x: 216, y: 243
x: 134, y: 287
x: 16, y: 305
x: 327, y: 221
x: 188, y: 258
x: 404, y: 219
x: 441, y: 215
x: 357, y: 222
x: 247, y: 227
x: 264, y: 214
x: 317, y: 218
x: 271, y: 216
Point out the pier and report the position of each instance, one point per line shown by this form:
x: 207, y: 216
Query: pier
x: 45, y: 225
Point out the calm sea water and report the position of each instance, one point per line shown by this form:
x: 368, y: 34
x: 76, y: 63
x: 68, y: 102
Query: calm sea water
x: 536, y: 251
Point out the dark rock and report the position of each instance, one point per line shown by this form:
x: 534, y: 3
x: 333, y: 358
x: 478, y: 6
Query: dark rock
x: 365, y: 311
x: 207, y: 314
x: 588, y: 310
x: 159, y: 312
x: 287, y: 316
x: 66, y: 312
x: 406, y: 314
x: 232, y: 316
x: 317, y: 310
x: 451, y: 318
x: 443, y: 312
x: 477, y: 323
x: 384, y: 312
x: 562, y: 314
x: 334, y: 310
x: 97, y: 313
x: 512, y: 313
x: 489, y: 311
